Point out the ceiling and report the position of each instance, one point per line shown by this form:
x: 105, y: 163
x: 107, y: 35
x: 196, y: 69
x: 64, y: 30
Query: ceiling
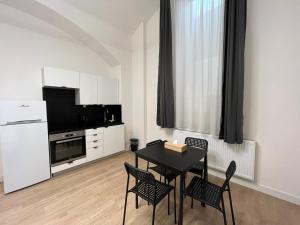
x: 21, y: 19
x: 124, y: 15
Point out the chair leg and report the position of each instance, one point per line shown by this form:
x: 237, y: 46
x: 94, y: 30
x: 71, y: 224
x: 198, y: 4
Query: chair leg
x: 153, y: 215
x: 224, y: 212
x: 126, y: 195
x: 192, y: 199
x: 125, y: 207
x: 168, y: 200
x: 184, y: 186
x: 175, y: 183
x: 160, y: 178
x: 175, y: 202
x: 231, y: 207
x: 148, y: 193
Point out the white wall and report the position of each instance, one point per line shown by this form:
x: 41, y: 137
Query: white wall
x: 138, y: 86
x: 145, y: 50
x: 24, y: 53
x: 125, y: 59
x: 272, y: 90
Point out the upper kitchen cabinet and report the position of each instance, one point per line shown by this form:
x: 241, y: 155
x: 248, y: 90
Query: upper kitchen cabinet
x: 108, y: 91
x: 88, y: 91
x: 54, y: 77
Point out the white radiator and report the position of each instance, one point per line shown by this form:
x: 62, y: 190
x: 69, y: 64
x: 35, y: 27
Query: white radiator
x: 220, y: 153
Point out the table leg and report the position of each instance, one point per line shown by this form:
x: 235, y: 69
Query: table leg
x: 180, y: 214
x: 205, y: 169
x: 205, y: 173
x: 136, y: 181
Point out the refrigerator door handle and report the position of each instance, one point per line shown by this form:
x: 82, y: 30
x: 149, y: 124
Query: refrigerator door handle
x: 24, y: 122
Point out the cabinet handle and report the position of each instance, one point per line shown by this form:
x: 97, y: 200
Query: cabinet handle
x: 95, y: 141
x: 95, y: 134
x: 96, y: 147
x: 25, y: 106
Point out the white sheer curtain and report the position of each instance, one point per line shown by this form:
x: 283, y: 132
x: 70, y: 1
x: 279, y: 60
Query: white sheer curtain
x: 197, y: 61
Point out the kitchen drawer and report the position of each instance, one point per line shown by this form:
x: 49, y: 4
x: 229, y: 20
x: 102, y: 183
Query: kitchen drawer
x: 93, y: 138
x: 93, y: 144
x: 91, y: 132
x: 55, y: 169
x: 94, y: 153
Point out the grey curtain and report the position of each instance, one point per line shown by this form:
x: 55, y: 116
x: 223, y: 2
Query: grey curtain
x: 165, y: 93
x: 233, y: 72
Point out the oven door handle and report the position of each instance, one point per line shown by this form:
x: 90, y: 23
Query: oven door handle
x: 69, y: 140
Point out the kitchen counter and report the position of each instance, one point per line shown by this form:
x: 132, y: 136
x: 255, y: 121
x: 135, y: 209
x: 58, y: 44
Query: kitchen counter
x: 107, y: 124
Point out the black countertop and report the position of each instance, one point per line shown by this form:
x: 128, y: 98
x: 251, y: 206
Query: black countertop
x: 107, y: 124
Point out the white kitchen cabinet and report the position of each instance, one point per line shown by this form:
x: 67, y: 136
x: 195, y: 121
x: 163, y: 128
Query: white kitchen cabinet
x: 113, y: 139
x: 108, y: 91
x: 88, y: 91
x: 94, y: 144
x: 55, y: 77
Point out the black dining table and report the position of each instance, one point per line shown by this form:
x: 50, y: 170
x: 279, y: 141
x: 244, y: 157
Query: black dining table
x: 175, y: 161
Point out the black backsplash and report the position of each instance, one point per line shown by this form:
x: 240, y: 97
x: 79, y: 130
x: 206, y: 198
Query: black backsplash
x: 93, y: 115
x: 64, y: 115
x: 115, y: 110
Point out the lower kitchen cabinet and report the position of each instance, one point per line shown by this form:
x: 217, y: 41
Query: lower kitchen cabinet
x: 100, y: 142
x: 94, y: 144
x: 113, y: 139
x: 103, y: 142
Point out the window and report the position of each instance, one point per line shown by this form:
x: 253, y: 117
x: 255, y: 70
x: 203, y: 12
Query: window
x: 197, y: 60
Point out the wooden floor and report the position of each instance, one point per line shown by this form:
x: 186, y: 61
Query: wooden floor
x: 94, y: 194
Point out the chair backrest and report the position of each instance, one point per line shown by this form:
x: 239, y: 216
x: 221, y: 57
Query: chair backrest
x: 197, y: 143
x: 229, y: 173
x: 154, y: 143
x: 141, y: 175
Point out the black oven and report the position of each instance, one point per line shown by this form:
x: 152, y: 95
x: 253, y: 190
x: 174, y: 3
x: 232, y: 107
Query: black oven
x: 67, y: 147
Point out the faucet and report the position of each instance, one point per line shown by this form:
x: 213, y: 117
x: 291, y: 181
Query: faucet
x: 105, y: 114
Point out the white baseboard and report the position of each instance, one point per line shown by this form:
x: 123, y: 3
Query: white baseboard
x: 261, y: 188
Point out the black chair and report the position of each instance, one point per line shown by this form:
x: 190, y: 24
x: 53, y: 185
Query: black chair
x: 163, y: 172
x: 212, y: 194
x: 202, y: 144
x: 148, y: 189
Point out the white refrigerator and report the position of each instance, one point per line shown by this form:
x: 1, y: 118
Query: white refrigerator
x: 23, y: 144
